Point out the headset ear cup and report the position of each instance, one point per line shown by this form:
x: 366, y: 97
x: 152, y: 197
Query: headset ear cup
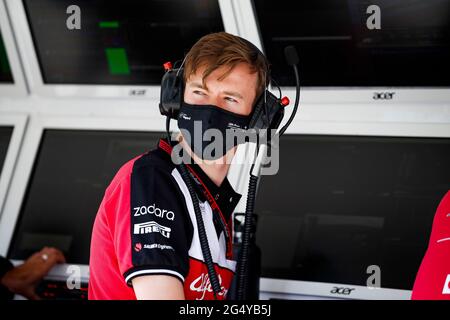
x: 171, y: 93
x: 267, y: 113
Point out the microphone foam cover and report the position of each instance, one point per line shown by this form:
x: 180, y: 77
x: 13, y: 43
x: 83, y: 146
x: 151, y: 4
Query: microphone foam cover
x: 291, y: 55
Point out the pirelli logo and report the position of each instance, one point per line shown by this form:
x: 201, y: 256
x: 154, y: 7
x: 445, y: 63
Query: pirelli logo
x: 152, y: 226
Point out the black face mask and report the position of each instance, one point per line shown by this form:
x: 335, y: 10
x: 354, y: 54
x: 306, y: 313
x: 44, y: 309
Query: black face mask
x: 211, y: 131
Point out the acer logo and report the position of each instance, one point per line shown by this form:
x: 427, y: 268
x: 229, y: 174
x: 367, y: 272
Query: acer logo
x: 136, y: 92
x: 342, y: 290
x: 383, y: 95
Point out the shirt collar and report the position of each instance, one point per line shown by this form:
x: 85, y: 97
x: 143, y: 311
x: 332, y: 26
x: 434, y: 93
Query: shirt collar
x: 224, y: 195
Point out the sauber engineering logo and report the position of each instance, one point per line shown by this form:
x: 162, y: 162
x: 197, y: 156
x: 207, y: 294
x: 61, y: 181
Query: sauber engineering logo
x: 138, y: 247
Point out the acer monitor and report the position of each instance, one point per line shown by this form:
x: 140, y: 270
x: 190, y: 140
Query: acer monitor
x: 356, y: 51
x: 346, y: 210
x: 12, y: 82
x: 66, y: 165
x: 105, y: 48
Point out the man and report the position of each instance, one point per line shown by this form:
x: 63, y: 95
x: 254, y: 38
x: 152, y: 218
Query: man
x: 433, y: 278
x: 145, y: 243
x: 24, y: 278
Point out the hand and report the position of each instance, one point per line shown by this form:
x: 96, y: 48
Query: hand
x: 23, y: 279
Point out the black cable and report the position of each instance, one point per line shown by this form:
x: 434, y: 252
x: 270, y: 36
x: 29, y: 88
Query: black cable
x: 214, y: 280
x: 242, y: 267
x: 243, y: 263
x: 266, y: 109
x: 278, y: 87
x: 204, y: 244
x: 297, y: 99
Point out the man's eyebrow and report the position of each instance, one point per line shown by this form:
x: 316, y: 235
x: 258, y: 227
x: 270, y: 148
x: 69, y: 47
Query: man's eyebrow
x: 234, y: 94
x: 197, y: 85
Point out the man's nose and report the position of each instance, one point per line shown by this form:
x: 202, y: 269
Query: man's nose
x: 216, y: 101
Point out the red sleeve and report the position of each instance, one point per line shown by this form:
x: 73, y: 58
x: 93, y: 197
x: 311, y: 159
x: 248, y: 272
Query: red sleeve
x: 433, y: 279
x: 115, y: 208
x: 149, y: 223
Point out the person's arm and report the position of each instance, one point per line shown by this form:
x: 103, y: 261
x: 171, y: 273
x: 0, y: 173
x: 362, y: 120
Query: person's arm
x: 158, y: 287
x: 23, y: 279
x: 5, y: 266
x: 152, y: 232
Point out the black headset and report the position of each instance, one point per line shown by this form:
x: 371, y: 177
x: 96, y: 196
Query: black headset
x: 267, y: 113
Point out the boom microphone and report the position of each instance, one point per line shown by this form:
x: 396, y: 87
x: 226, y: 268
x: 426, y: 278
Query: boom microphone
x: 292, y: 59
x: 291, y: 55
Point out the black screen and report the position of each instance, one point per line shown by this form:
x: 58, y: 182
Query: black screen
x: 5, y: 137
x: 120, y: 42
x: 71, y: 172
x: 5, y: 69
x: 337, y: 49
x: 340, y: 204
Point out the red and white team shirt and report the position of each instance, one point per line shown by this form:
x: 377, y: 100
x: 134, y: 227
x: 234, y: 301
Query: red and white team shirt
x: 146, y: 225
x: 433, y: 279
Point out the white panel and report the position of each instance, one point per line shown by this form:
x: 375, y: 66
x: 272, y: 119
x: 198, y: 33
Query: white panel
x: 18, y: 122
x: 19, y: 88
x: 290, y: 289
x: 228, y: 16
x: 246, y: 21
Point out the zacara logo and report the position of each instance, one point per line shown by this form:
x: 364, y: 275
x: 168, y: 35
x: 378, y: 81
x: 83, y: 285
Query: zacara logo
x: 203, y: 285
x: 152, y: 209
x: 342, y: 290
